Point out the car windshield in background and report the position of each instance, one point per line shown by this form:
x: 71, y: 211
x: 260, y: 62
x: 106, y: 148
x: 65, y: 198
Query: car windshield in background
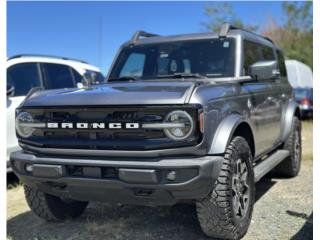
x: 98, y: 78
x: 181, y: 59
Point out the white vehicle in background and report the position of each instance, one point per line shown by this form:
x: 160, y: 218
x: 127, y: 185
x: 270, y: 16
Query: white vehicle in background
x: 25, y: 72
x: 301, y: 79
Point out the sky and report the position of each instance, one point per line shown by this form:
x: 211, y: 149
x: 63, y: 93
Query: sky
x: 94, y: 31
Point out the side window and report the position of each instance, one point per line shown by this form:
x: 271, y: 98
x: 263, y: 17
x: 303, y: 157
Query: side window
x: 57, y: 76
x: 23, y: 77
x: 162, y: 64
x: 98, y: 77
x: 282, y: 66
x: 77, y: 77
x: 134, y: 65
x: 252, y: 54
x: 268, y: 53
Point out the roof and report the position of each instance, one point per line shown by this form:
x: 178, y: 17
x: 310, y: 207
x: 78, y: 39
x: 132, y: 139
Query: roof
x: 78, y: 65
x: 46, y: 56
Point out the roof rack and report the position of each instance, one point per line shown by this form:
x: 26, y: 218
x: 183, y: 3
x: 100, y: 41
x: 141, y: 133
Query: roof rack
x: 226, y: 27
x: 43, y: 55
x: 136, y: 36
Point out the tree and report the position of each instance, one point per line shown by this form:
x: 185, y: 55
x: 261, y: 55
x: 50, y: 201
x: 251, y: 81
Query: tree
x: 295, y: 35
x: 220, y: 13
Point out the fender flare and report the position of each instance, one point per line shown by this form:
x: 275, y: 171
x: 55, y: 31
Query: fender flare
x: 224, y: 133
x: 288, y: 119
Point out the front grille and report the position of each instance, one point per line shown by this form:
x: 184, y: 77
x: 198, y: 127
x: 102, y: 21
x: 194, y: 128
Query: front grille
x: 106, y: 139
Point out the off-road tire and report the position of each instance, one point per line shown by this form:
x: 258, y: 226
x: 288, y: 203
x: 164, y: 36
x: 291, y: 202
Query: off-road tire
x: 216, y: 213
x: 290, y: 167
x: 52, y: 208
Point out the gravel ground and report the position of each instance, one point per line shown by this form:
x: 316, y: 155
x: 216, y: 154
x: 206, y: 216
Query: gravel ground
x: 283, y: 210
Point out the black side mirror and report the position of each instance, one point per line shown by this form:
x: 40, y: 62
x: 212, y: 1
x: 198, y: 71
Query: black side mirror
x: 10, y: 90
x: 264, y: 70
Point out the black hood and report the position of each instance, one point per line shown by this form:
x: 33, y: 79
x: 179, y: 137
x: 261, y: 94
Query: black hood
x: 128, y: 93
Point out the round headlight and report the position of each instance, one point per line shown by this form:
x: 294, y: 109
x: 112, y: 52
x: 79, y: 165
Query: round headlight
x: 22, y: 121
x: 179, y: 132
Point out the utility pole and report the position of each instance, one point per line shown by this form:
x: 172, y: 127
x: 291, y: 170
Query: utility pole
x: 100, y: 38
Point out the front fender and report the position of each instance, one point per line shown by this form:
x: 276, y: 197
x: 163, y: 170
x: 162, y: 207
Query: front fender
x: 224, y: 133
x: 288, y: 119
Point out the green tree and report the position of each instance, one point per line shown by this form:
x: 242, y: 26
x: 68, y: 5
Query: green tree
x: 296, y: 34
x: 219, y: 13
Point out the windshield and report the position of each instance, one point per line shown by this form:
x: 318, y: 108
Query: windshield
x: 211, y: 58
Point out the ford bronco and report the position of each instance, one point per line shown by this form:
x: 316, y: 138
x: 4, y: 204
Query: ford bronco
x: 197, y: 118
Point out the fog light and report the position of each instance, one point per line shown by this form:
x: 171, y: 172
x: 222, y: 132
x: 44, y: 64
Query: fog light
x: 29, y: 167
x: 171, y: 176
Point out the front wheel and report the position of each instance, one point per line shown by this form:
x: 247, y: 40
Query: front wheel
x: 52, y: 208
x: 226, y: 212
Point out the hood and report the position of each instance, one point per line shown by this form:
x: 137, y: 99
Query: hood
x: 128, y: 93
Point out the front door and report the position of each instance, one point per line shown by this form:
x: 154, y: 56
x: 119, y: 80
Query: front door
x: 264, y: 99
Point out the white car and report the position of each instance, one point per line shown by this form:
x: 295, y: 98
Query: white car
x: 25, y: 72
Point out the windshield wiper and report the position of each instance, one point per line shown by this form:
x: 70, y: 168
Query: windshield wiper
x: 123, y: 78
x: 182, y: 75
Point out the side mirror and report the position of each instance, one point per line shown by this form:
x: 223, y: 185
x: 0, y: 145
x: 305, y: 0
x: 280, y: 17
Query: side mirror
x: 264, y: 70
x: 10, y: 90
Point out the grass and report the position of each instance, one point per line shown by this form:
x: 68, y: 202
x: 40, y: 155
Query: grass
x: 307, y: 140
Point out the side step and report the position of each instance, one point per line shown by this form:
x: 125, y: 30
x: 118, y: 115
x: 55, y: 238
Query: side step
x: 268, y: 164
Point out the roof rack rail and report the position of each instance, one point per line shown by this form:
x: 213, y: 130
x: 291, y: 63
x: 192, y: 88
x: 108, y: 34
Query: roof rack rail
x: 226, y: 27
x: 136, y: 36
x: 43, y: 55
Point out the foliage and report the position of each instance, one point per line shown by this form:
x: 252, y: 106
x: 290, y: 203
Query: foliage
x: 220, y: 13
x: 294, y: 36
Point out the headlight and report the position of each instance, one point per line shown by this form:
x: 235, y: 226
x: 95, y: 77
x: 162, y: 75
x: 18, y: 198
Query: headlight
x: 179, y: 133
x: 23, y: 127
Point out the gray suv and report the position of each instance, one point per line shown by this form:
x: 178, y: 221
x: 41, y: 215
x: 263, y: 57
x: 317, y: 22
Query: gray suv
x: 196, y: 118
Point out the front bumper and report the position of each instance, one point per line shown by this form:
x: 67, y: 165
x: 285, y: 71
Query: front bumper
x: 158, y: 181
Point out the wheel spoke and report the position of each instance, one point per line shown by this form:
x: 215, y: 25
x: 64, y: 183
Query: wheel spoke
x: 237, y: 206
x: 243, y: 167
x: 244, y: 178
